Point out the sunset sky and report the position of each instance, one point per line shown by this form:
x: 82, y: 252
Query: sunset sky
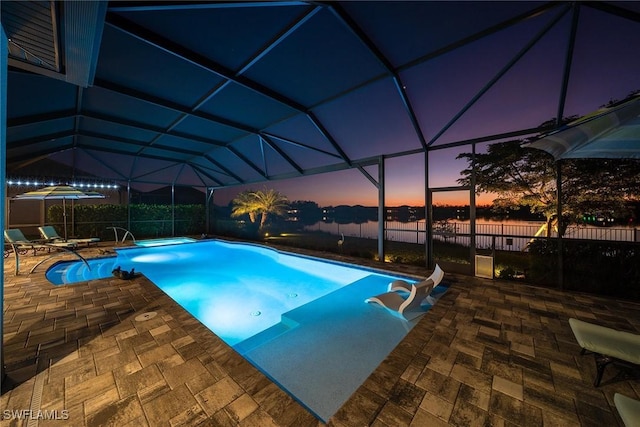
x: 604, y: 67
x: 404, y: 186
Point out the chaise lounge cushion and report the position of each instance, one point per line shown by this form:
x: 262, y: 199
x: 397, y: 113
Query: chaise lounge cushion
x: 600, y: 339
x: 628, y: 408
x: 16, y: 237
x: 607, y: 345
x: 49, y: 233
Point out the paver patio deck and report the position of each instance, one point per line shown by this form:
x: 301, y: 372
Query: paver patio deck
x: 489, y: 353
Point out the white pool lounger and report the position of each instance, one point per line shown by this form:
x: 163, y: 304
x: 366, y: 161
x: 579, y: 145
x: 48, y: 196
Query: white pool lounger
x: 401, y: 285
x: 408, y: 306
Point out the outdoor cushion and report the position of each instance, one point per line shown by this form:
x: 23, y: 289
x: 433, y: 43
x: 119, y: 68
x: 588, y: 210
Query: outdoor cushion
x: 600, y: 339
x: 628, y: 408
x: 606, y: 343
x: 49, y: 233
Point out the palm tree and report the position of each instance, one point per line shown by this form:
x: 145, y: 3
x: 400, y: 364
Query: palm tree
x: 244, y: 203
x: 259, y: 202
x: 270, y: 202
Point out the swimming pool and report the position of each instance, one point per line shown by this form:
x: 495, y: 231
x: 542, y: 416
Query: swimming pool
x: 236, y: 290
x: 298, y: 319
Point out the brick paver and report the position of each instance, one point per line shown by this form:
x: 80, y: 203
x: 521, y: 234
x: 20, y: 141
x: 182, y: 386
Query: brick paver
x: 489, y: 352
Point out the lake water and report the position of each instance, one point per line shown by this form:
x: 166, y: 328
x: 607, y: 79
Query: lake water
x: 509, y: 234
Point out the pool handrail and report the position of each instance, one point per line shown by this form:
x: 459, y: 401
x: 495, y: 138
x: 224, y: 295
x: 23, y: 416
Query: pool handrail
x: 15, y: 248
x: 59, y: 253
x: 126, y: 232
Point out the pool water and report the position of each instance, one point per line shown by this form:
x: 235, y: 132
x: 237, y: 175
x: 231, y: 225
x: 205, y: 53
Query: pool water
x: 298, y: 319
x: 236, y: 290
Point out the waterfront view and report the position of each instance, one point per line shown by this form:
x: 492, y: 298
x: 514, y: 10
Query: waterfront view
x: 510, y: 235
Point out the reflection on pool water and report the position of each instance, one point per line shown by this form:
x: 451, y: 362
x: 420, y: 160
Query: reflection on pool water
x: 272, y: 306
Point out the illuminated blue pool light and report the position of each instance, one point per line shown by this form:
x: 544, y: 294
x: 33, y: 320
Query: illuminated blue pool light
x: 165, y: 241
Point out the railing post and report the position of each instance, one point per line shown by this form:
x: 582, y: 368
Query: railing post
x: 381, y: 210
x: 559, y: 214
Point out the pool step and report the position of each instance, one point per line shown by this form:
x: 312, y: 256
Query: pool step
x: 265, y: 336
x: 105, y: 268
x: 339, y: 342
x: 77, y: 271
x: 307, y: 313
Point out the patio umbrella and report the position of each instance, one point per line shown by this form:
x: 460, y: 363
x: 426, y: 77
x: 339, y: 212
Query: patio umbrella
x: 610, y: 133
x: 60, y: 192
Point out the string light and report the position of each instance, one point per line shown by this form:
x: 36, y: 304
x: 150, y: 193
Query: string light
x: 37, y: 183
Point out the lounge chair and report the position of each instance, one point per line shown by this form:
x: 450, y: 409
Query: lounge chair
x: 399, y: 304
x: 404, y: 286
x: 608, y: 345
x: 628, y: 408
x: 16, y: 238
x: 50, y: 234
